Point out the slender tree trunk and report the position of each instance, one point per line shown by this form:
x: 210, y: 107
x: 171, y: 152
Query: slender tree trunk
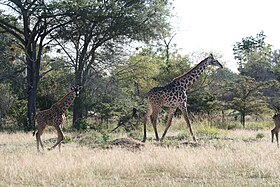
x: 31, y: 110
x: 243, y: 120
x: 33, y: 71
x: 79, y: 79
x: 31, y: 91
x: 77, y: 112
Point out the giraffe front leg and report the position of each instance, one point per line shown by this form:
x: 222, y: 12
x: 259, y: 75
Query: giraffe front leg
x: 186, y: 117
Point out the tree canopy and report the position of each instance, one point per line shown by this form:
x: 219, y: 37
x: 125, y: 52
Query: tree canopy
x: 118, y: 51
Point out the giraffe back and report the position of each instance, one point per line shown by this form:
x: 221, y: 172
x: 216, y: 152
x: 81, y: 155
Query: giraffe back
x: 50, y: 117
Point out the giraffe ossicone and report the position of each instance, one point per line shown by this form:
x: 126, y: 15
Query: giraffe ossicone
x: 174, y: 96
x: 55, y: 116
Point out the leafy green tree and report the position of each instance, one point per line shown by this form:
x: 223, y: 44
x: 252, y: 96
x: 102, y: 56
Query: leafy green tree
x: 30, y: 22
x: 246, y: 96
x: 253, y: 56
x: 243, y: 49
x: 101, y: 26
x: 139, y: 73
x: 276, y: 64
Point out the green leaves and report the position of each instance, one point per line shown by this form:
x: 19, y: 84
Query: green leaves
x: 246, y: 96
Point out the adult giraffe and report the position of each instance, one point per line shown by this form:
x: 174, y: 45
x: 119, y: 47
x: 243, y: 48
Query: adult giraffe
x: 55, y: 117
x: 174, y: 96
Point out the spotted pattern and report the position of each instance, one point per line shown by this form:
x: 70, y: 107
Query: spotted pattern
x: 174, y: 96
x: 55, y: 116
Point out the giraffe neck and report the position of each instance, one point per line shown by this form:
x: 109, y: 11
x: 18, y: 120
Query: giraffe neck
x: 187, y: 79
x: 64, y: 103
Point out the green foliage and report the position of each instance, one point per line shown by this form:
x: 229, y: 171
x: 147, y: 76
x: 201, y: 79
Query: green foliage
x: 259, y: 125
x: 203, y: 102
x: 242, y: 50
x: 81, y: 124
x: 260, y: 136
x: 18, y: 113
x: 276, y: 64
x: 91, y: 138
x: 208, y: 131
x: 97, y: 36
x: 232, y: 125
x: 246, y: 96
x: 176, y: 66
x: 130, y: 76
x: 115, y: 79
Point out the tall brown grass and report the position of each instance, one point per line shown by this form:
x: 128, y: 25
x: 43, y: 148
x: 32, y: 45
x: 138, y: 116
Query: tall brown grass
x: 236, y: 159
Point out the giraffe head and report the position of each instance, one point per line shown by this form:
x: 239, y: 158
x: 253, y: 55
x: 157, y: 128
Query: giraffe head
x: 276, y: 117
x: 76, y: 89
x: 212, y: 61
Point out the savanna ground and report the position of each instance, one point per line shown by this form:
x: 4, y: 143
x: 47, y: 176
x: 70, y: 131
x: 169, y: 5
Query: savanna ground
x: 236, y: 157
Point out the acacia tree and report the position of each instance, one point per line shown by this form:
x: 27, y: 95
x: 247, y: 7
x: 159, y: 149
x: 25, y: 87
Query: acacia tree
x: 246, y: 96
x: 101, y: 26
x: 30, y: 22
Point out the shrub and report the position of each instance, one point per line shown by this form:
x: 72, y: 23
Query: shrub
x: 81, y: 124
x: 18, y: 114
x: 259, y: 125
x: 208, y: 131
x: 259, y: 136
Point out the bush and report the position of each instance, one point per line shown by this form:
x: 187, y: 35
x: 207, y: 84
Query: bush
x: 259, y: 136
x: 18, y: 114
x: 81, y: 124
x: 259, y: 125
x: 208, y: 131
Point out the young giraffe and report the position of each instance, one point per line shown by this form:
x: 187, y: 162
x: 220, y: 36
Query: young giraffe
x: 275, y: 131
x: 55, y: 116
x: 174, y: 96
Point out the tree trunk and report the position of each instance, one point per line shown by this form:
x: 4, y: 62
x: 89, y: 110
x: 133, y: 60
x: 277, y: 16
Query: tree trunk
x: 32, y: 81
x: 243, y: 120
x: 33, y: 76
x: 31, y: 110
x: 77, y: 112
x: 78, y: 103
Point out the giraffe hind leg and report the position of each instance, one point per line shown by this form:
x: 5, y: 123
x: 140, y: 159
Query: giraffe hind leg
x: 60, y: 138
x: 272, y: 135
x: 169, y: 120
x: 154, y: 117
x: 38, y: 134
x: 148, y: 114
x: 37, y: 141
x: 276, y: 135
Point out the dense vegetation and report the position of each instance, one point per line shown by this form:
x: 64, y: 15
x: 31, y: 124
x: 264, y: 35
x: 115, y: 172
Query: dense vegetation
x: 118, y: 50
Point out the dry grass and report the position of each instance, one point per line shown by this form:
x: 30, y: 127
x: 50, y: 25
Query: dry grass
x: 237, y: 159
